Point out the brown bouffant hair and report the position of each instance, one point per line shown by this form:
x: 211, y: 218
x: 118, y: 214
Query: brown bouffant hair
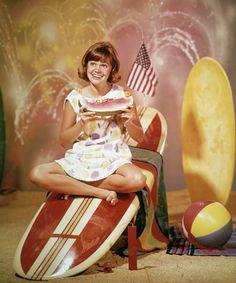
x: 101, y: 51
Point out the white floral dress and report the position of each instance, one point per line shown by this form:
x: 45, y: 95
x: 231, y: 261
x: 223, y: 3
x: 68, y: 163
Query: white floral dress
x: 100, y: 149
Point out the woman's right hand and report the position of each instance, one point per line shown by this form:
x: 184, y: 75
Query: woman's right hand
x: 86, y: 116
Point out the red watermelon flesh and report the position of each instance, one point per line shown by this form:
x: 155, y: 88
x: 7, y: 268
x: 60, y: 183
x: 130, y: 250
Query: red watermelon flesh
x: 107, y: 105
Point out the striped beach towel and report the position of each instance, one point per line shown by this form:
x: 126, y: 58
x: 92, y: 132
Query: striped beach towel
x: 179, y: 245
x: 152, y: 219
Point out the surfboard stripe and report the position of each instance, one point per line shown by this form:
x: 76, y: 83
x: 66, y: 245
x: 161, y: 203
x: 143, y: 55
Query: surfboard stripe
x: 68, y: 216
x: 73, y: 226
x: 50, y: 256
x: 62, y: 253
x: 33, y: 245
x: 85, y: 217
x: 61, y: 247
x: 152, y: 135
x: 163, y: 136
x: 35, y: 268
x: 72, y: 223
x: 147, y: 117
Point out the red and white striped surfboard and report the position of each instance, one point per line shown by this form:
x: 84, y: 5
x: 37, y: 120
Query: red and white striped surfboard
x: 68, y: 236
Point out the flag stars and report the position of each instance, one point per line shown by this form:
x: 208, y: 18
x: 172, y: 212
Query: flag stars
x: 143, y: 58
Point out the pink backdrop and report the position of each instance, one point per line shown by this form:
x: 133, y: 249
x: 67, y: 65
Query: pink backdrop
x: 41, y: 46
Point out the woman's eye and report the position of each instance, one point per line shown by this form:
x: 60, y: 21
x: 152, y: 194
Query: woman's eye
x: 103, y: 66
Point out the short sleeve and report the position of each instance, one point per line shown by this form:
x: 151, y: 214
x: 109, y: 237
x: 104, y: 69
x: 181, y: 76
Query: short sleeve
x: 73, y: 98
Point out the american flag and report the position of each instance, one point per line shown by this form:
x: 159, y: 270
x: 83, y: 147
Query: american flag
x: 142, y: 77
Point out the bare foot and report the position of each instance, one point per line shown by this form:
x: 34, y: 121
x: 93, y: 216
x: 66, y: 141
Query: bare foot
x: 65, y: 197
x: 112, y: 198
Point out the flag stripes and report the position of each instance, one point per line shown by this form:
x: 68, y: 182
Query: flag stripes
x: 142, y: 77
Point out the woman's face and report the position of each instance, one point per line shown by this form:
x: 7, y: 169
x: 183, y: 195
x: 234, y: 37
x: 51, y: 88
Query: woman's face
x: 98, y: 72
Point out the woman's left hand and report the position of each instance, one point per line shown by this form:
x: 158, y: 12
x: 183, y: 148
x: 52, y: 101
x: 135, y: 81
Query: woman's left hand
x: 125, y: 117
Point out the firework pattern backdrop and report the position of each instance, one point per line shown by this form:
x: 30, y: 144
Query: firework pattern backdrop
x: 41, y: 44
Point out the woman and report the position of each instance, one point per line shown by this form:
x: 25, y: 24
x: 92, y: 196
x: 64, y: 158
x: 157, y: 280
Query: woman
x: 97, y: 162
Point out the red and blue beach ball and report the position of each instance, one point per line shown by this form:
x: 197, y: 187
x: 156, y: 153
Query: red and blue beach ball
x: 207, y: 224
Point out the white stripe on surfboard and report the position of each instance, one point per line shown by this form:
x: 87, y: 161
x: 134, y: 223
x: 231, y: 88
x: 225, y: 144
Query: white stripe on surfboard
x: 147, y: 117
x: 62, y: 253
x: 162, y: 141
x: 49, y: 258
x: 85, y: 218
x: 79, y: 213
x: 37, y: 266
x: 68, y: 215
x: 77, y: 216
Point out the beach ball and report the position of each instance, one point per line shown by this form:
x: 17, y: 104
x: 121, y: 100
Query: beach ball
x: 207, y: 224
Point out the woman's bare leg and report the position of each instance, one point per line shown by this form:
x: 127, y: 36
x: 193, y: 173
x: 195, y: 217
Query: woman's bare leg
x: 128, y: 178
x: 51, y: 176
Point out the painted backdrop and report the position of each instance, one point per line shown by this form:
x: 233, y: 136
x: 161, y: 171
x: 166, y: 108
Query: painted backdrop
x: 41, y: 44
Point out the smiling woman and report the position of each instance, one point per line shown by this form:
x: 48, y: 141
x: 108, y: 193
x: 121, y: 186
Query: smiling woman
x: 98, y: 160
x: 103, y: 55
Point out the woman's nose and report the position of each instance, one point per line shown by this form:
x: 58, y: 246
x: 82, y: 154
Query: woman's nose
x: 98, y: 67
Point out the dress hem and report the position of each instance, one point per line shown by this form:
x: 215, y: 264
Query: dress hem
x: 97, y: 179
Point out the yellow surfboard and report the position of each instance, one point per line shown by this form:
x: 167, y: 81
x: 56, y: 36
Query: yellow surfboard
x: 208, y: 132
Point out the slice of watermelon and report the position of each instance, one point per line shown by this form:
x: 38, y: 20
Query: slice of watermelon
x: 108, y: 107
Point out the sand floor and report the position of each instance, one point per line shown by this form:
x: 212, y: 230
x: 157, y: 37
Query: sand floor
x: 18, y: 208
